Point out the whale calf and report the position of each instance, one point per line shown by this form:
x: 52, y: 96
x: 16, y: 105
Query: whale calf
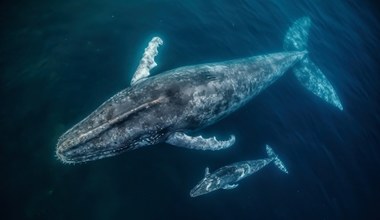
x: 227, y: 177
x: 168, y: 107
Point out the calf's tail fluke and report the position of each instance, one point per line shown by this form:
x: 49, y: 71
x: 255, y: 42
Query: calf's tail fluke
x: 277, y: 161
x: 307, y: 73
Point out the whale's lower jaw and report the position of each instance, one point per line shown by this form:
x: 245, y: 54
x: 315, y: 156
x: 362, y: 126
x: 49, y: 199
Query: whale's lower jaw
x: 83, y: 157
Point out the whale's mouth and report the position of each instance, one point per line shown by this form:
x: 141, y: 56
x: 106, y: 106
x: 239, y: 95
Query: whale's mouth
x: 200, y: 189
x: 195, y: 192
x: 88, y: 141
x: 81, y: 155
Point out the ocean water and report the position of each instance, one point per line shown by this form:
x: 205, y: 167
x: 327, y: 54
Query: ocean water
x: 59, y: 60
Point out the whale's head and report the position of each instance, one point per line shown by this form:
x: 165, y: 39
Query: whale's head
x: 122, y: 123
x: 208, y: 184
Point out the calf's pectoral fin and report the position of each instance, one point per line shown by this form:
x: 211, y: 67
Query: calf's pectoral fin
x: 230, y: 186
x: 199, y: 143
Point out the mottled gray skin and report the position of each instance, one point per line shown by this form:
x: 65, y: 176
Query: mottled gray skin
x: 180, y: 100
x: 226, y: 177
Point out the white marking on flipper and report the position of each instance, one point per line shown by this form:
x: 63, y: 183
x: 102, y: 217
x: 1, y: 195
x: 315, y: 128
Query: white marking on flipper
x: 207, y: 171
x: 147, y: 61
x: 230, y: 186
x: 199, y: 143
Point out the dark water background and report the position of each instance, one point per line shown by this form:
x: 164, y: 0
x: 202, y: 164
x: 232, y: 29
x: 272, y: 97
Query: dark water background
x: 59, y: 60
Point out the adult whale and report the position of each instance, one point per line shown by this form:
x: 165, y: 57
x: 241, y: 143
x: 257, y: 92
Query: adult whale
x: 167, y: 107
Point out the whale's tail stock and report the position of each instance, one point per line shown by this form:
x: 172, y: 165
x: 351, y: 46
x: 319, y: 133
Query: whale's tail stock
x: 307, y: 73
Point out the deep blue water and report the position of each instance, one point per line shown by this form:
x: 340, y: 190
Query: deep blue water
x: 59, y: 60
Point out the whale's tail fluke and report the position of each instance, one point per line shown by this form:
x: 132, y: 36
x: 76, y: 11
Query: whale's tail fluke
x: 277, y: 161
x: 307, y: 73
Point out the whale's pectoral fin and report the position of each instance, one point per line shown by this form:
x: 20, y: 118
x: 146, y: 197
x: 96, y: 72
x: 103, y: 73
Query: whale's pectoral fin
x: 147, y: 61
x: 230, y: 186
x: 199, y: 143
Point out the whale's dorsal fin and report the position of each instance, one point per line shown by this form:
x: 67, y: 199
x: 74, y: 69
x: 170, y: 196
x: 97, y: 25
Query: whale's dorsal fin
x: 147, y: 61
x: 207, y: 171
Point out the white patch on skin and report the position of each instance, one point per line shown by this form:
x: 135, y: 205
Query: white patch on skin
x: 208, y: 186
x: 242, y: 172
